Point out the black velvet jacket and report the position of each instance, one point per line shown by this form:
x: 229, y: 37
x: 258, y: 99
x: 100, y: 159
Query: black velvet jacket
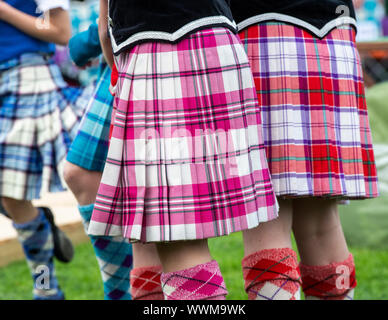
x: 317, y: 16
x: 135, y: 21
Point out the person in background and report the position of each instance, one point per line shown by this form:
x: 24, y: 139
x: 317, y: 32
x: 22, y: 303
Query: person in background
x: 309, y: 82
x: 82, y: 15
x: 39, y: 116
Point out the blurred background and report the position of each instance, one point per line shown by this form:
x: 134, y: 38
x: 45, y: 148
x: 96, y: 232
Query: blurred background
x: 365, y: 222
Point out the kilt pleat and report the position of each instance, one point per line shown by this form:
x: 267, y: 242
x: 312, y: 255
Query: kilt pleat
x: 39, y: 116
x: 186, y: 158
x: 90, y: 147
x: 315, y: 120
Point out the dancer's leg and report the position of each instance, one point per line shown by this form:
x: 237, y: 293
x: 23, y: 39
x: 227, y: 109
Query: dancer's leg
x: 270, y: 266
x: 36, y: 237
x: 327, y: 267
x: 189, y: 272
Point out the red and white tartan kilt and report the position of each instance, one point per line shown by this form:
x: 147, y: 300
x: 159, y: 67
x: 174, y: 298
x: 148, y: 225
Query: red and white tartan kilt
x: 314, y: 114
x: 186, y: 159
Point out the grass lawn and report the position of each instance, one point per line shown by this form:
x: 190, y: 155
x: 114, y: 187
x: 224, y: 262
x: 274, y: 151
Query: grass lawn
x: 81, y: 279
x: 365, y: 223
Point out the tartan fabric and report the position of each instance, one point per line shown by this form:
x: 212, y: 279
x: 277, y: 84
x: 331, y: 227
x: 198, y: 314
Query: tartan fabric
x: 90, y: 147
x: 145, y: 283
x: 114, y: 257
x: 335, y: 281
x: 186, y: 159
x: 39, y: 116
x: 37, y: 241
x: 272, y: 274
x: 314, y: 113
x: 202, y: 282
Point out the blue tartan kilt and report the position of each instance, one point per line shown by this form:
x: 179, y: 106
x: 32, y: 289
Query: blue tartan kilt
x: 90, y: 148
x: 39, y: 118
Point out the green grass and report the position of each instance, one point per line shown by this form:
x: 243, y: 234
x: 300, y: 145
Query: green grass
x: 365, y: 223
x: 81, y: 279
x: 376, y: 97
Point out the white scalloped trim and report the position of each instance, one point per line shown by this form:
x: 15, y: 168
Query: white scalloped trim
x: 159, y: 35
x: 285, y: 18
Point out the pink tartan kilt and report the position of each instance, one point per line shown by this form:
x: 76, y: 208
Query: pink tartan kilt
x: 186, y: 159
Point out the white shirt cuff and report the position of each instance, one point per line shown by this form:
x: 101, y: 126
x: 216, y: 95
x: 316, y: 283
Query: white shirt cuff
x: 46, y: 5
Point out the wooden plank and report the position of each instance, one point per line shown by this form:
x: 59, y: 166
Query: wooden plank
x: 370, y: 46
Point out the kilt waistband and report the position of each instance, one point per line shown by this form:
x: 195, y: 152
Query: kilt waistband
x: 27, y: 59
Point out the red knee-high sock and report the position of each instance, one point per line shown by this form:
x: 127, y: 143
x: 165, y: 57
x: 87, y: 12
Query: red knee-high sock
x: 202, y: 282
x: 335, y: 281
x: 145, y: 283
x: 272, y: 274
